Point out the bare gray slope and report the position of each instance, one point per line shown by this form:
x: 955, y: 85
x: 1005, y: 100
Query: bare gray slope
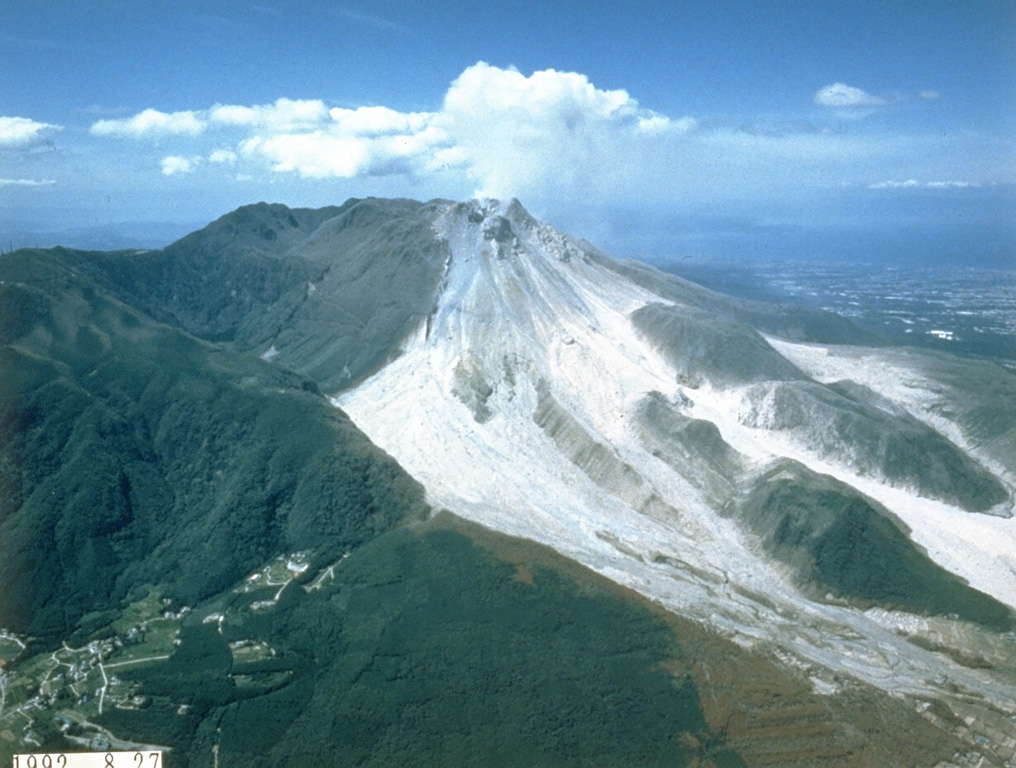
x: 693, y: 447
x: 987, y: 412
x: 707, y: 347
x: 840, y: 422
x: 715, y: 341
x: 645, y: 429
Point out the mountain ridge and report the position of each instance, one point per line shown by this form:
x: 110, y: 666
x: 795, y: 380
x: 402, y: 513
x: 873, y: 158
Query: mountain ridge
x: 729, y: 462
x: 98, y: 381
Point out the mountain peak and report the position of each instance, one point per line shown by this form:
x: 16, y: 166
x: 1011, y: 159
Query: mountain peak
x: 503, y: 228
x: 810, y: 503
x: 494, y: 213
x: 613, y: 417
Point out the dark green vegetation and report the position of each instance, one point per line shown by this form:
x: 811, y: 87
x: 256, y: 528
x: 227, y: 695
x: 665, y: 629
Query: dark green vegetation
x: 442, y: 644
x: 849, y: 422
x: 837, y: 540
x: 134, y: 453
x: 427, y: 649
x: 333, y: 292
x: 445, y: 644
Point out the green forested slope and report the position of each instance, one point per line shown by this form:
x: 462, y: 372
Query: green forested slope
x: 839, y: 541
x: 332, y: 292
x: 428, y: 650
x: 133, y: 453
x: 444, y: 644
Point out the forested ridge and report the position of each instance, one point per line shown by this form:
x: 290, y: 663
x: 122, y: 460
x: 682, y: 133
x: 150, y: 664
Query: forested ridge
x: 135, y: 453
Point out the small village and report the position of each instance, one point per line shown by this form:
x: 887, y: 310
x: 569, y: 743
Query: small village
x: 69, y: 687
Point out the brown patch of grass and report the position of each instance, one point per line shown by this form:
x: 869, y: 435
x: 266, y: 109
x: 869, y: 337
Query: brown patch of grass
x: 523, y: 574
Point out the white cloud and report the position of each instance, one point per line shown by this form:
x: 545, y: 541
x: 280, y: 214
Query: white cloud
x: 283, y: 115
x: 223, y: 156
x: 546, y: 137
x: 930, y: 95
x: 914, y: 184
x: 26, y: 183
x: 548, y: 97
x: 843, y: 96
x: 379, y: 121
x: 908, y: 184
x: 312, y: 155
x: 656, y: 124
x: 151, y: 122
x: 234, y: 114
x: 951, y: 184
x: 551, y: 130
x: 509, y: 132
x: 22, y: 133
x: 173, y: 165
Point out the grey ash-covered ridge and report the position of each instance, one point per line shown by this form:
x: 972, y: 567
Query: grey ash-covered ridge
x: 707, y: 341
x: 705, y: 347
x: 854, y: 425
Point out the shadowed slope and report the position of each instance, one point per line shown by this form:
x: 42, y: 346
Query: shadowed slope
x: 133, y: 453
x: 332, y: 293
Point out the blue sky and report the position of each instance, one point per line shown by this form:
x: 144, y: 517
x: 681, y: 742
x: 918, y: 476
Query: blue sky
x: 651, y: 128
